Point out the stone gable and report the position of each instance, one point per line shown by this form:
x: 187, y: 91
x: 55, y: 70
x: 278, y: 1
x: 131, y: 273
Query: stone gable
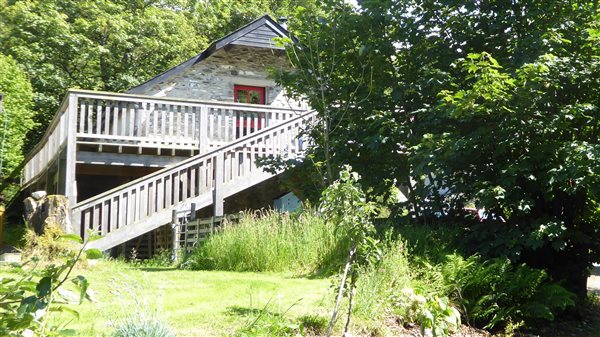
x: 214, y: 77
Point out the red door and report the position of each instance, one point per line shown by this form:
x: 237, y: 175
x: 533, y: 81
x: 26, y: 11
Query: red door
x: 250, y: 95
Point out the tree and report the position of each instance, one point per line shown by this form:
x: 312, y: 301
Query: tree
x: 341, y: 66
x: 106, y: 45
x: 217, y: 18
x: 494, y: 103
x: 15, y: 117
x: 526, y: 146
x: 344, y: 204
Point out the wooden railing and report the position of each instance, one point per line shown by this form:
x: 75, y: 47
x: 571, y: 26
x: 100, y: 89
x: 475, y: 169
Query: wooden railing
x: 215, y: 174
x: 148, y: 122
x: 48, y: 149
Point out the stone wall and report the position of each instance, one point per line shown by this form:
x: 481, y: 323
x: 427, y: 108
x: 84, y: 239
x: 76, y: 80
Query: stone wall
x: 214, y: 77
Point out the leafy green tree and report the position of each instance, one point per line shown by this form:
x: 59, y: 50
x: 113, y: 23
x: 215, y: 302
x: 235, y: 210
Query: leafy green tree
x: 101, y: 45
x: 526, y: 146
x: 16, y: 116
x: 494, y: 103
x: 342, y: 67
x: 217, y: 18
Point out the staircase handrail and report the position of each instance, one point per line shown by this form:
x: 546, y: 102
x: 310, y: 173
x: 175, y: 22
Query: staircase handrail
x: 191, y: 161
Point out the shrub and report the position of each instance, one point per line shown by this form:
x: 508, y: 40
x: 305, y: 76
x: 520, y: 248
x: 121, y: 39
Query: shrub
x: 30, y: 293
x: 432, y: 313
x: 270, y: 241
x: 138, y: 326
x: 494, y: 292
x: 48, y: 246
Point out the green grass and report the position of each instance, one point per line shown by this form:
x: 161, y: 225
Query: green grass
x: 193, y: 303
x: 271, y: 241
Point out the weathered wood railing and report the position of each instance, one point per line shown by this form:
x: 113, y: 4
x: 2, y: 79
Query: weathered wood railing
x: 48, y: 149
x: 148, y: 122
x: 210, y: 176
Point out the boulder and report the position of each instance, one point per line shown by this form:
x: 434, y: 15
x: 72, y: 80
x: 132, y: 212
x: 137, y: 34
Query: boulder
x: 51, y: 209
x: 38, y: 195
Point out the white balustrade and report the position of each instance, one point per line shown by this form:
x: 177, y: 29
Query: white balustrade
x: 124, y: 120
x: 217, y: 171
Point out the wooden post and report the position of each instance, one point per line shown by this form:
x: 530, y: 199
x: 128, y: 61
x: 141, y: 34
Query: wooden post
x: 203, y: 136
x: 71, y: 154
x: 218, y: 190
x: 175, y: 235
x: 192, y: 212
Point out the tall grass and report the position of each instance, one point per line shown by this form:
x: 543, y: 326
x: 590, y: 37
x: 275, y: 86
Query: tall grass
x: 271, y: 241
x: 378, y: 283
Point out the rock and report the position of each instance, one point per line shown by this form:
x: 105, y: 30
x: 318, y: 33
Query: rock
x: 53, y: 209
x: 57, y: 212
x: 37, y: 195
x: 30, y: 207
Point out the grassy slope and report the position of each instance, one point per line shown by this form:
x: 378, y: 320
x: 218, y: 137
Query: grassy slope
x: 193, y: 303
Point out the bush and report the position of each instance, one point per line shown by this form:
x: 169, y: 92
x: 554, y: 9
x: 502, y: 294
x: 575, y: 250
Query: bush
x: 494, y: 292
x: 30, y: 294
x: 432, y: 313
x: 49, y: 246
x: 270, y: 241
x: 140, y: 326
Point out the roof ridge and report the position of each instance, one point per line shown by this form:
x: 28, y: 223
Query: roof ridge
x: 213, y: 47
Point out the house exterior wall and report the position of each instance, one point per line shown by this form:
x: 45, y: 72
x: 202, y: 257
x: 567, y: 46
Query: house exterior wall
x: 214, y: 77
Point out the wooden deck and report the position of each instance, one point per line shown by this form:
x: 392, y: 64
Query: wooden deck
x: 206, y: 179
x: 222, y: 142
x: 120, y: 124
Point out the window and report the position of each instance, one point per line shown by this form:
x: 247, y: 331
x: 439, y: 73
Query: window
x: 248, y: 94
x: 251, y: 95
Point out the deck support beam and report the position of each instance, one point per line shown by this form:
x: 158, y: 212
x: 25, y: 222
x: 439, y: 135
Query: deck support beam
x: 218, y: 199
x: 71, y: 157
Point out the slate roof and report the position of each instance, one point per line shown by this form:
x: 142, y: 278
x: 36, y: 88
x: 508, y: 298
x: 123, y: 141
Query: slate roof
x: 258, y: 33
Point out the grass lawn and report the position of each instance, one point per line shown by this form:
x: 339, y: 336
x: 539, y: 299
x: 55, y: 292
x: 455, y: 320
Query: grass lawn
x: 194, y: 303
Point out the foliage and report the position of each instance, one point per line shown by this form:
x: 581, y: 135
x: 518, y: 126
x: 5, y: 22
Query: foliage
x: 344, y: 204
x: 161, y: 258
x: 14, y: 235
x: 432, y: 313
x: 48, y: 246
x: 378, y: 282
x: 313, y: 325
x: 270, y: 241
x: 15, y: 118
x: 545, y: 153
x: 343, y: 78
x: 430, y: 242
x: 217, y: 18
x: 487, y: 103
x: 106, y: 45
x: 136, y: 326
x: 493, y: 293
x: 30, y: 295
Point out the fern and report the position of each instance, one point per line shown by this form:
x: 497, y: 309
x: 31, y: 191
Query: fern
x: 495, y: 292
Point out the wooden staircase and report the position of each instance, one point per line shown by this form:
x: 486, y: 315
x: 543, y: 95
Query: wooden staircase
x: 140, y: 206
